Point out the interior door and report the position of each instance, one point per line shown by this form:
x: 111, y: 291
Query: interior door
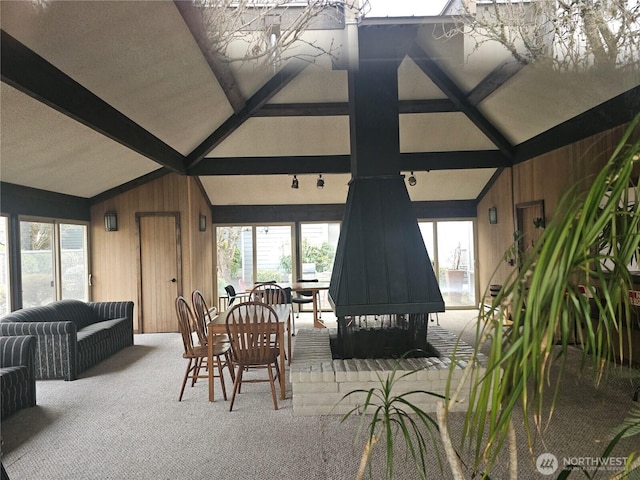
x: 530, y: 219
x: 160, y: 271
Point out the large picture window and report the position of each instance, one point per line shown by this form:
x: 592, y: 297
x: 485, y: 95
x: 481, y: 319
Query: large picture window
x: 450, y: 245
x: 5, y: 304
x: 53, y: 258
x: 253, y: 253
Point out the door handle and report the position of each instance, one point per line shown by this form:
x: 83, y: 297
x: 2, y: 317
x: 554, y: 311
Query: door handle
x: 173, y: 280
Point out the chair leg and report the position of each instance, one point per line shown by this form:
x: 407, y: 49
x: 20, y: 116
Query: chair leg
x: 224, y: 390
x: 289, y: 333
x: 184, y: 381
x: 293, y: 332
x: 273, y: 387
x: 236, y: 386
x: 197, y: 366
x: 229, y: 363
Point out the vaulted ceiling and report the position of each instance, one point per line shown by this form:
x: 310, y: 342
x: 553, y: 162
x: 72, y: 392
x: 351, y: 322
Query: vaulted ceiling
x: 100, y: 94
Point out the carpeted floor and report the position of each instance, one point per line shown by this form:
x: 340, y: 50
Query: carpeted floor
x: 122, y: 420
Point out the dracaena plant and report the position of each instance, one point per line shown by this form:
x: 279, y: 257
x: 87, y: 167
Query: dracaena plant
x: 539, y: 311
x: 547, y: 301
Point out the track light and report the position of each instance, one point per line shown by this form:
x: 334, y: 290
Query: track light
x: 294, y: 182
x: 412, y: 179
x: 320, y: 182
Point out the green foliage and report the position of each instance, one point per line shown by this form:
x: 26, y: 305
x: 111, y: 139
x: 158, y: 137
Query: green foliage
x: 393, y: 414
x: 322, y: 256
x: 265, y: 275
x: 544, y: 302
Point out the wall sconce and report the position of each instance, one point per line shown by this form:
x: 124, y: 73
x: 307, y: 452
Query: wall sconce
x: 110, y: 222
x: 294, y: 182
x: 202, y: 224
x: 320, y: 182
x: 412, y: 179
x: 493, y: 215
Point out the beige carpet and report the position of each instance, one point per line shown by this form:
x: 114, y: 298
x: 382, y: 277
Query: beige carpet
x: 122, y: 420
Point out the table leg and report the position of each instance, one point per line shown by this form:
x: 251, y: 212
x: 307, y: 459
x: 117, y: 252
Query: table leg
x: 316, y: 323
x: 210, y: 366
x: 282, y: 366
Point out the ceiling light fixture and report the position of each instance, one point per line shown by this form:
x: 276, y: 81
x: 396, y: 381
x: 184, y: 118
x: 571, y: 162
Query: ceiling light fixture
x: 320, y: 182
x: 412, y: 179
x: 294, y: 182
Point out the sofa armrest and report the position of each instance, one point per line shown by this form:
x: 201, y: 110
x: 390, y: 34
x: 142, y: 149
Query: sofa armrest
x: 56, y: 351
x: 111, y: 310
x: 18, y: 350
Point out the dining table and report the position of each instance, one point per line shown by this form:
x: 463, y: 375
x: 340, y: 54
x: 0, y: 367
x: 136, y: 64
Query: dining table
x: 314, y: 288
x: 218, y: 325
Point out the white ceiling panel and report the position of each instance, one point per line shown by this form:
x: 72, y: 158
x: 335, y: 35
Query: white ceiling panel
x: 287, y: 136
x: 440, y: 132
x: 42, y: 148
x: 538, y: 98
x: 137, y: 56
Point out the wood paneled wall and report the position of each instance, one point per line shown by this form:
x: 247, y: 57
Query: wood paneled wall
x: 547, y: 178
x: 494, y: 240
x: 114, y: 262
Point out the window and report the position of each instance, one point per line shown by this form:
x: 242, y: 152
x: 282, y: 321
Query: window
x: 249, y: 254
x: 450, y: 245
x: 54, y: 262
x: 5, y: 304
x: 273, y: 253
x: 234, y: 257
x: 318, y: 243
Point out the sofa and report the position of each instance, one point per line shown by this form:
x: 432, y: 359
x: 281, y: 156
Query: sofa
x: 72, y: 335
x: 17, y: 373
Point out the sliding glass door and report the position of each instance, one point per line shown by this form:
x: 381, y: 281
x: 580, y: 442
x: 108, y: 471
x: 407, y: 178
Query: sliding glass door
x: 5, y: 302
x: 54, y: 262
x: 318, y: 243
x: 450, y: 245
x: 253, y: 253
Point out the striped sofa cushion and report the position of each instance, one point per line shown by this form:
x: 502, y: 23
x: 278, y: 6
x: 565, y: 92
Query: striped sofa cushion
x: 17, y: 373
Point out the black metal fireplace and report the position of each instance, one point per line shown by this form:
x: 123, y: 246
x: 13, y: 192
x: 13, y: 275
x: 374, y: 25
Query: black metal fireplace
x: 382, y: 272
x: 383, y: 336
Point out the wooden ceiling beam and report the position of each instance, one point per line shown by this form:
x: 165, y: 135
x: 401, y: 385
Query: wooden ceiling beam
x: 262, y: 96
x: 341, y: 163
x: 28, y: 72
x: 438, y: 76
x: 194, y: 18
x: 492, y: 82
x: 272, y: 165
x: 342, y: 108
x: 612, y: 113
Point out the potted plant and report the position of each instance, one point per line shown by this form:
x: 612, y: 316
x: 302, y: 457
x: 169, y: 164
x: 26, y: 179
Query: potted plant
x: 544, y: 299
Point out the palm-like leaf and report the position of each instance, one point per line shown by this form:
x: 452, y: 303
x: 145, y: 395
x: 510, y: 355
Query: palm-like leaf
x: 545, y: 304
x: 392, y: 414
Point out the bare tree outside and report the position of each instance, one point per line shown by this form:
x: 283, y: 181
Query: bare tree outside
x: 570, y: 35
x: 271, y: 32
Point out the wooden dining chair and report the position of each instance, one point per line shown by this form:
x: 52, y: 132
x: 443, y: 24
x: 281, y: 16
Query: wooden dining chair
x: 197, y: 354
x: 255, y: 342
x: 273, y: 294
x: 203, y: 316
